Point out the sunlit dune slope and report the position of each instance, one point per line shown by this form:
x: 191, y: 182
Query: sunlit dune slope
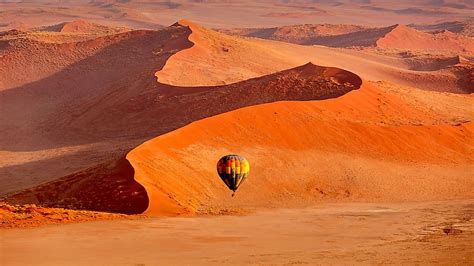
x: 216, y: 58
x: 363, y: 146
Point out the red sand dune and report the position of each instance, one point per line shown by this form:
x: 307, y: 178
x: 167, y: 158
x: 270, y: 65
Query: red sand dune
x: 103, y: 93
x: 376, y: 139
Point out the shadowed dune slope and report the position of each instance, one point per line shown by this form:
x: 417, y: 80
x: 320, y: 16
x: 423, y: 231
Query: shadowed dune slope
x: 111, y: 187
x: 66, y: 107
x: 216, y: 59
x: 340, y: 149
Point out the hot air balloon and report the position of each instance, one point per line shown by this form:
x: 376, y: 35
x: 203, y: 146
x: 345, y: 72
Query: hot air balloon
x: 233, y: 169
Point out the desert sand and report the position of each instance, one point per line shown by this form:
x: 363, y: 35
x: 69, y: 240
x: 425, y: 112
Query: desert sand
x: 437, y: 233
x: 359, y: 132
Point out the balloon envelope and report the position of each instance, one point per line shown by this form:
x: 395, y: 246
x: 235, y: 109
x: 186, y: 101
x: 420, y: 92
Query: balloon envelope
x: 233, y: 169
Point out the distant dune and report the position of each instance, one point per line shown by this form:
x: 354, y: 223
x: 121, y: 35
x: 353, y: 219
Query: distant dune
x: 299, y: 34
x: 82, y: 26
x: 462, y: 27
x: 403, y: 37
x: 396, y: 36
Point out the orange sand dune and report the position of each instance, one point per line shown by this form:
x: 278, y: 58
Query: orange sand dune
x: 95, y: 100
x: 388, y: 139
x: 296, y: 150
x: 111, y: 187
x: 216, y: 58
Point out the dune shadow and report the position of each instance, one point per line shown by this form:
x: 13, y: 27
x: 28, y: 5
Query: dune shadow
x: 107, y: 187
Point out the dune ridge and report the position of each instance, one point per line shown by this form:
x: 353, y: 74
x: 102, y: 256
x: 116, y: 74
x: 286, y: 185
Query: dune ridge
x: 114, y: 188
